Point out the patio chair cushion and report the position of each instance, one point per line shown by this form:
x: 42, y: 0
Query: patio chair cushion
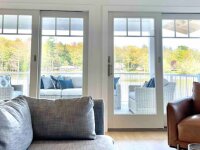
x: 15, y: 125
x: 5, y: 81
x: 63, y: 118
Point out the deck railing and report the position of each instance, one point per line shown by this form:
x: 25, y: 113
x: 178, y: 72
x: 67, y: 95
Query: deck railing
x: 183, y: 81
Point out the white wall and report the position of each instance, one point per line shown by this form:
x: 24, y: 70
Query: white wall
x: 98, y: 14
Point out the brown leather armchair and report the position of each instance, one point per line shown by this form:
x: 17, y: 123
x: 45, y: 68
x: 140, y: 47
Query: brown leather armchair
x: 183, y: 123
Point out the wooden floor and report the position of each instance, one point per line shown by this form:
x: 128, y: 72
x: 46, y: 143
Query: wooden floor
x: 145, y: 140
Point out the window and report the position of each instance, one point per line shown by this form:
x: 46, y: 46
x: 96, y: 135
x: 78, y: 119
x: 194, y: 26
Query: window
x: 181, y: 57
x: 15, y: 51
x: 62, y: 57
x: 133, y: 65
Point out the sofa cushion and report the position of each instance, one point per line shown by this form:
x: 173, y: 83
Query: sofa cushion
x: 188, y: 129
x: 62, y: 119
x: 71, y: 92
x: 77, y: 82
x: 5, y: 81
x: 50, y: 92
x: 66, y: 84
x: 15, y: 125
x: 196, y: 96
x: 47, y: 82
x: 102, y: 142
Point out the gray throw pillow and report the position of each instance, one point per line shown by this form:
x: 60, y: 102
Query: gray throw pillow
x: 62, y: 119
x: 15, y: 125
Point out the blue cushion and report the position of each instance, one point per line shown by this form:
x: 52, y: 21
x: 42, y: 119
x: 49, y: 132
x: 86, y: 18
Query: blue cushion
x: 48, y: 83
x: 66, y: 84
x: 116, y: 79
x: 151, y: 83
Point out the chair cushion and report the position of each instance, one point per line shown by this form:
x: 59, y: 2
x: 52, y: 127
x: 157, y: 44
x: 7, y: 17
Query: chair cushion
x: 71, y: 92
x: 132, y: 95
x: 62, y: 119
x: 189, y: 129
x: 102, y: 142
x: 15, y: 125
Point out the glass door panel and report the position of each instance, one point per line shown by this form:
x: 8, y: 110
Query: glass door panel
x: 181, y: 58
x: 62, y: 57
x: 15, y: 52
x: 134, y: 77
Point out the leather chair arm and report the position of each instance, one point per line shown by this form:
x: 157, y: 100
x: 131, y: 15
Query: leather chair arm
x: 177, y: 111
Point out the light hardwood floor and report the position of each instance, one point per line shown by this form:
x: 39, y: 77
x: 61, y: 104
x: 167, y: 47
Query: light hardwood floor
x: 145, y: 140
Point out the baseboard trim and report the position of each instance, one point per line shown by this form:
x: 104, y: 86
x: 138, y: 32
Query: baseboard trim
x: 135, y: 129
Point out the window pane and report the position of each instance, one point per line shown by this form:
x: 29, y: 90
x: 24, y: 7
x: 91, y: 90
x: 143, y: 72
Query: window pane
x: 181, y: 28
x: 133, y: 68
x: 77, y: 26
x: 148, y: 27
x: 62, y: 60
x: 194, y: 28
x: 168, y: 28
x: 25, y: 24
x: 15, y: 52
x: 133, y: 26
x: 10, y: 24
x: 120, y: 27
x: 0, y: 23
x: 62, y: 26
x: 48, y: 26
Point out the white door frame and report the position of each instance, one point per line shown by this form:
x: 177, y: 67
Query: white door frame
x: 137, y: 121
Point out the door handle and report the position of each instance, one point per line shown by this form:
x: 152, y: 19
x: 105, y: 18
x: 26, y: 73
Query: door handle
x: 110, y: 70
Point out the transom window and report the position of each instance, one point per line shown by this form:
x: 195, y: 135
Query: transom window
x: 180, y: 28
x: 15, y: 24
x: 62, y: 26
x: 133, y: 27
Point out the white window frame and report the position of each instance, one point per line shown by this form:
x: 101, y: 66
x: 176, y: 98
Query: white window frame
x: 67, y: 14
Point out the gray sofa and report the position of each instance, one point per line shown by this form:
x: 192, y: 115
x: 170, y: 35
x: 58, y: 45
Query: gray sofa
x: 47, y: 125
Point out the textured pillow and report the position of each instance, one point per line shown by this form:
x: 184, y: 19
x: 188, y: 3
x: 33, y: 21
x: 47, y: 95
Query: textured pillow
x: 66, y: 84
x: 62, y: 119
x: 116, y: 79
x: 15, y: 125
x: 48, y: 83
x: 196, y: 96
x: 5, y: 81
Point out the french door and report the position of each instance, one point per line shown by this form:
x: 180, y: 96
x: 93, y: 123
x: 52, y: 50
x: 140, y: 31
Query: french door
x: 133, y: 63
